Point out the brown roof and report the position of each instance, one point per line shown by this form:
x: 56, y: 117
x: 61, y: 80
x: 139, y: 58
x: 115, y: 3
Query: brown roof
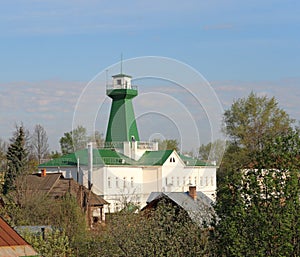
x: 9, y: 237
x: 55, y: 185
x: 11, y: 243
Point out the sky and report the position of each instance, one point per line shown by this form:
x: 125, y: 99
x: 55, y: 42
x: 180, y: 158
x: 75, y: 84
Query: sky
x: 50, y: 51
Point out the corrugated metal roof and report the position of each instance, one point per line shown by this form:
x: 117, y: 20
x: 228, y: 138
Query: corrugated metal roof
x: 190, y: 161
x: 153, y: 158
x: 100, y: 157
x: 199, y: 210
x: 12, y: 244
x: 111, y: 157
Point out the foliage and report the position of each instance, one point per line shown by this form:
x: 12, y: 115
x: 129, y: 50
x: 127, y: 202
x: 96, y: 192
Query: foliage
x: 54, y: 155
x: 212, y: 151
x: 16, y: 159
x: 66, y: 143
x: 54, y: 243
x: 167, y: 144
x: 98, y: 139
x: 259, y: 206
x: 78, y: 139
x: 250, y: 120
x: 167, y: 231
x: 39, y: 142
x: 25, y: 207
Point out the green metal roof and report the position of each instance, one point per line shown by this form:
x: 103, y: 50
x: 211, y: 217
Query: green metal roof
x: 100, y: 157
x: 103, y: 157
x: 155, y: 157
x: 121, y: 75
x: 190, y: 161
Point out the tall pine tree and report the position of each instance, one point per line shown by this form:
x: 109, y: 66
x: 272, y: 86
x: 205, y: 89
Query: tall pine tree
x: 16, y: 159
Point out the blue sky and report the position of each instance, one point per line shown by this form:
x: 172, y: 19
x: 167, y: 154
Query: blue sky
x: 51, y: 49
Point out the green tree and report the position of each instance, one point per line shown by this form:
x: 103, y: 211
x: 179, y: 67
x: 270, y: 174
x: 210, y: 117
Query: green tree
x: 66, y: 143
x: 16, y: 159
x: 167, y: 231
x: 53, y: 243
x: 97, y: 138
x: 3, y: 161
x: 250, y: 122
x: 212, y: 151
x: 78, y: 139
x: 167, y: 144
x: 258, y: 207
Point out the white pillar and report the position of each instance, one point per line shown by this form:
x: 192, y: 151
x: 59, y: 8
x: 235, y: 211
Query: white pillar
x: 90, y: 164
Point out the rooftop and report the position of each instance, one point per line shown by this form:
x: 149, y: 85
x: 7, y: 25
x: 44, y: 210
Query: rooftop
x: 103, y: 157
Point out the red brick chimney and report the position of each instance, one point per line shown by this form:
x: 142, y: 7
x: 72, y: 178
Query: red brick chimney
x: 43, y: 173
x: 193, y: 192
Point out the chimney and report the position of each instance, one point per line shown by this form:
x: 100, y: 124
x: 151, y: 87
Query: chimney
x: 193, y: 192
x: 43, y: 173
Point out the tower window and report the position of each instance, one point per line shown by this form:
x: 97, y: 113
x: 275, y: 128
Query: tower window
x: 119, y: 82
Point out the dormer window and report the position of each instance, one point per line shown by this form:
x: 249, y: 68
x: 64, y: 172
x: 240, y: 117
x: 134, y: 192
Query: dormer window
x: 172, y: 159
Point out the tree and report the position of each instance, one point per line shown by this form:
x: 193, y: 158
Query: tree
x: 250, y: 120
x: 16, y: 159
x: 39, y: 141
x: 167, y: 144
x: 77, y: 139
x: 167, y: 231
x: 212, y: 151
x: 52, y: 243
x: 97, y: 138
x: 73, y: 140
x: 3, y: 149
x: 66, y: 143
x: 258, y: 207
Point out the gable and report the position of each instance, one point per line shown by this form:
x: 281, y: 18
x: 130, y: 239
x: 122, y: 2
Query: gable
x: 174, y: 160
x: 12, y: 244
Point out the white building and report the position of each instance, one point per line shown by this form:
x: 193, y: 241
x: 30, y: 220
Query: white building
x: 127, y: 170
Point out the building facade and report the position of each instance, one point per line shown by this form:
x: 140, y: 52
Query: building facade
x: 127, y: 170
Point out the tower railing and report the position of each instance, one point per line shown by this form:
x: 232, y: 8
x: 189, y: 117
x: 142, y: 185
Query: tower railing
x: 143, y: 145
x: 122, y: 86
